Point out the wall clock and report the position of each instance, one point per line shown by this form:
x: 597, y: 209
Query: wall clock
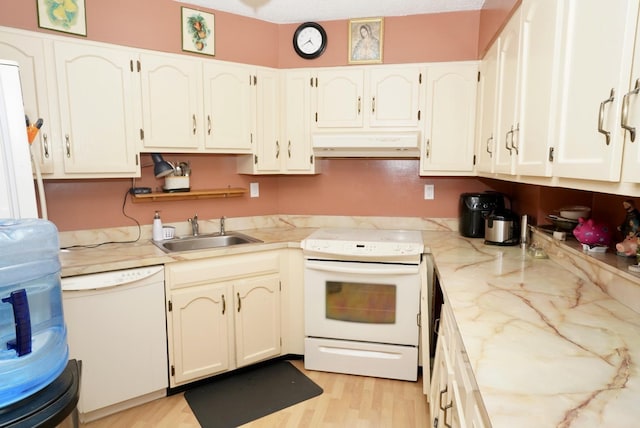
x: 309, y: 40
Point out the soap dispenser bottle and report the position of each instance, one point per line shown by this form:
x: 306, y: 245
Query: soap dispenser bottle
x: 157, y: 227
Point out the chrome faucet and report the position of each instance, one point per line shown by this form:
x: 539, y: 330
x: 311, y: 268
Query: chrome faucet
x: 222, y: 231
x: 195, y: 228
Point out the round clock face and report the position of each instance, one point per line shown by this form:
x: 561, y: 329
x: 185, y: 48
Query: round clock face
x: 309, y: 40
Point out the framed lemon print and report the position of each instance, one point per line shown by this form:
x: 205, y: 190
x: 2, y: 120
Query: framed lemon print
x: 197, y: 31
x: 67, y: 16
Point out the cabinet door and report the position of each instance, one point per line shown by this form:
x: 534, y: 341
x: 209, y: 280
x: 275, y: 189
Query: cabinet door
x: 438, y: 385
x: 340, y: 97
x: 596, y: 61
x: 171, y: 103
x: 296, y: 105
x: 488, y: 85
x: 29, y: 53
x: 268, y: 147
x: 538, y: 74
x: 97, y: 93
x: 229, y: 107
x: 631, y: 119
x: 393, y: 98
x: 450, y: 118
x: 507, y: 126
x: 199, y: 331
x: 257, y: 319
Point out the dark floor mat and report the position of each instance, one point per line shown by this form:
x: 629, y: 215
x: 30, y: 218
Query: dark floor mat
x: 249, y: 395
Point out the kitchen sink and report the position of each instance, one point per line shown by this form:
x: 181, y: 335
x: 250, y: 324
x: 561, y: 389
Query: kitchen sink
x: 204, y: 242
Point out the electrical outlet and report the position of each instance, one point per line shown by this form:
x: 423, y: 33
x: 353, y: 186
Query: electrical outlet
x: 254, y: 189
x: 429, y: 191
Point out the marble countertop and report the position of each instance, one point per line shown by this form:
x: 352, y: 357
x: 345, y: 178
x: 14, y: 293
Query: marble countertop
x: 548, y: 345
x: 108, y: 257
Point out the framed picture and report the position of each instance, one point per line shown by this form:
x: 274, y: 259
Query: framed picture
x: 365, y: 40
x: 197, y: 31
x: 67, y: 16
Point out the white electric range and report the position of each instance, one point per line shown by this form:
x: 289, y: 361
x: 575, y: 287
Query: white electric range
x: 362, y: 301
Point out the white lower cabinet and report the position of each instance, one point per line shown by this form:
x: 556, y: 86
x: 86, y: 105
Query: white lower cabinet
x: 222, y: 313
x: 455, y: 400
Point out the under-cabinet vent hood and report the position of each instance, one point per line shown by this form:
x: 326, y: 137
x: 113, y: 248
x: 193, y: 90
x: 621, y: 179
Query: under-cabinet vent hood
x: 367, y: 145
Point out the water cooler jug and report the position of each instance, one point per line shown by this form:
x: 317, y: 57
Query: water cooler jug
x: 33, y: 336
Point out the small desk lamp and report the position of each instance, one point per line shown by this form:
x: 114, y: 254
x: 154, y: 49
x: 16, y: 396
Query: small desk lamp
x: 161, y: 167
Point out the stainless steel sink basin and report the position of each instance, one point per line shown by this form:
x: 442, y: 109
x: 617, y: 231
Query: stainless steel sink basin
x: 204, y: 242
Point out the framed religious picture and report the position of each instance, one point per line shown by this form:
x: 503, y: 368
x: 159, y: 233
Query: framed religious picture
x: 67, y: 16
x: 197, y: 31
x: 365, y: 40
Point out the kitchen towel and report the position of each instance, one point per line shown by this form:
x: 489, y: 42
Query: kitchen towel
x: 248, y: 395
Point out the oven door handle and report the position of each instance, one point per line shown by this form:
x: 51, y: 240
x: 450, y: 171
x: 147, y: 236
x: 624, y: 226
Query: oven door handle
x: 364, y: 269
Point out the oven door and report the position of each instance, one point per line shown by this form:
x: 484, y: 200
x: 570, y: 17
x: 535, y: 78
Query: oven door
x: 371, y: 302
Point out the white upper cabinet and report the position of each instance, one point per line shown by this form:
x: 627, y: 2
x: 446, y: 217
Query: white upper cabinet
x: 450, y: 115
x: 284, y: 138
x: 518, y: 91
x: 171, y: 102
x: 373, y: 97
x: 340, y: 96
x: 507, y: 126
x: 394, y: 97
x: 229, y: 103
x: 296, y: 122
x: 97, y: 93
x: 630, y: 121
x: 29, y: 53
x: 268, y: 149
x: 597, y: 48
x: 539, y: 33
x: 488, y: 102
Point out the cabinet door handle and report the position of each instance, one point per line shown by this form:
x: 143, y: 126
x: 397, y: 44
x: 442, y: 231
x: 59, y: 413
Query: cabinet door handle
x: 489, y: 141
x: 289, y: 149
x: 359, y: 104
x: 373, y: 105
x: 208, y: 124
x: 442, y: 392
x: 277, y: 149
x: 45, y: 146
x: 239, y: 302
x: 67, y: 145
x: 446, y: 410
x: 428, y: 146
x: 195, y: 124
x: 624, y: 119
x: 506, y: 140
x: 514, y: 146
x: 607, y: 134
x: 224, y: 305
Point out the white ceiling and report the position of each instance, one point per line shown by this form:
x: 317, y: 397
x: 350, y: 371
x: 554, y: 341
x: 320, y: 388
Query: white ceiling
x: 294, y: 11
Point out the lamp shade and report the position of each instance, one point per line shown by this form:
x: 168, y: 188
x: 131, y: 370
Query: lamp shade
x: 161, y: 167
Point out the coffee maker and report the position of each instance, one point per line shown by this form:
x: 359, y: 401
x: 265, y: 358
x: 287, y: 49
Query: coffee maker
x: 473, y: 210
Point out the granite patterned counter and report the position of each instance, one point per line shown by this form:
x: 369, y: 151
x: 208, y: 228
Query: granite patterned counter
x: 548, y: 346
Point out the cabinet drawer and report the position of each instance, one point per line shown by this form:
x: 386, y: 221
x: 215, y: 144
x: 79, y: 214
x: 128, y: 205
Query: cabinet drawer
x: 190, y: 273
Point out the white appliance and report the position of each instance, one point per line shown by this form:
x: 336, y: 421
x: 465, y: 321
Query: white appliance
x: 362, y: 301
x: 17, y: 192
x: 374, y: 144
x: 116, y: 326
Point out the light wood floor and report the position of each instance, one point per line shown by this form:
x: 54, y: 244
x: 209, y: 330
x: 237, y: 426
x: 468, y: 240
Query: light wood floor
x: 347, y: 401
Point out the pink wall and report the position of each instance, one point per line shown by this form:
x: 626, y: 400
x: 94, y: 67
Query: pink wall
x: 494, y: 15
x: 356, y: 187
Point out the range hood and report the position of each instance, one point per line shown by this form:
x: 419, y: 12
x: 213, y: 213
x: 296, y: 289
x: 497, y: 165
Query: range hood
x: 366, y: 145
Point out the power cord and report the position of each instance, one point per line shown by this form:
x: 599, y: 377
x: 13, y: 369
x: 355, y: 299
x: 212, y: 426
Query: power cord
x: 124, y: 202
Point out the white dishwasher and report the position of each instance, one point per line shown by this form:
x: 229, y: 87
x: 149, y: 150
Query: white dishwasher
x: 116, y: 326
